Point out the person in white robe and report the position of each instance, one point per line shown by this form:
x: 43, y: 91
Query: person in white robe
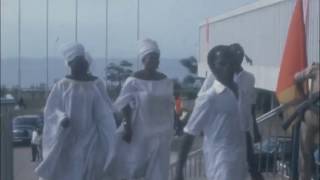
x: 79, y: 127
x: 147, y: 101
x: 216, y: 115
x: 206, y: 85
x: 247, y: 93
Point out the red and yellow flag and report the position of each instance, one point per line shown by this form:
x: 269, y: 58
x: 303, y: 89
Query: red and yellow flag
x: 294, y: 57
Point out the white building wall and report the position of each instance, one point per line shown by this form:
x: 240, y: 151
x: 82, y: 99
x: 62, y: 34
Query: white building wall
x: 261, y: 28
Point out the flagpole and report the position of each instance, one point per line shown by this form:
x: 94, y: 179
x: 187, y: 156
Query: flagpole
x: 107, y: 38
x: 47, y: 44
x: 19, y: 48
x: 76, y: 21
x: 138, y: 29
x: 305, y: 5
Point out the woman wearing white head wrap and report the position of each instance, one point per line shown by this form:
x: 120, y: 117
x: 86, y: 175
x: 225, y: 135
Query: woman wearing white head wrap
x: 148, y: 46
x: 79, y: 128
x: 147, y: 101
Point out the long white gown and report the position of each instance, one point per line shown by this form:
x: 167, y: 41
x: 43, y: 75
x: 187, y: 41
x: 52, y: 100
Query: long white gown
x: 247, y: 94
x: 83, y: 150
x: 216, y: 114
x: 147, y: 156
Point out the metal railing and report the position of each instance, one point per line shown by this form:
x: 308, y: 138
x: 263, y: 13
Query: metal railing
x: 194, y: 166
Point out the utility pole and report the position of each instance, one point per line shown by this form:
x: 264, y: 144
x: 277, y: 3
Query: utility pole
x: 138, y: 29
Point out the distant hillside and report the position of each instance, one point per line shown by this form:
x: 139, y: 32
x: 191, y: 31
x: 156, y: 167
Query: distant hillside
x: 34, y: 70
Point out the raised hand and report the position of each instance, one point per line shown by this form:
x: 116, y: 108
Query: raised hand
x: 65, y: 123
x: 127, y: 136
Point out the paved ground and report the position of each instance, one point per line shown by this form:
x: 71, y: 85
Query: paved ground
x: 23, y: 167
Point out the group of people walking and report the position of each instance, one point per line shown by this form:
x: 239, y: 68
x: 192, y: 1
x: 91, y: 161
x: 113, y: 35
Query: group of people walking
x: 82, y: 142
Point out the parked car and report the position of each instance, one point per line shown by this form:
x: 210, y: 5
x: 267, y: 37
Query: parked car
x: 273, y: 151
x: 22, y: 127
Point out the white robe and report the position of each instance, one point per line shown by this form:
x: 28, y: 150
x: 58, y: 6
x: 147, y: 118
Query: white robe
x: 83, y: 150
x: 216, y: 114
x: 247, y: 98
x: 147, y: 156
x: 207, y: 84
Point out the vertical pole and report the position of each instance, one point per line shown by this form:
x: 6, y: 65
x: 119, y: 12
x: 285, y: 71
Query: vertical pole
x: 76, y: 21
x: 47, y: 44
x: 138, y: 28
x: 107, y: 40
x: 138, y: 19
x: 6, y: 141
x: 19, y: 48
x: 295, y: 149
x: 199, y: 52
x: 317, y: 162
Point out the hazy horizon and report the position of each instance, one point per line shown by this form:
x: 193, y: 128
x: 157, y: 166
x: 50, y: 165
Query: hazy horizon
x: 174, y: 24
x: 34, y: 69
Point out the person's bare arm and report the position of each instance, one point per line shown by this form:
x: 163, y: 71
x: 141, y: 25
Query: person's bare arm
x: 257, y: 135
x: 183, y: 155
x: 127, y: 111
x: 300, y: 87
x: 300, y: 79
x: 65, y: 123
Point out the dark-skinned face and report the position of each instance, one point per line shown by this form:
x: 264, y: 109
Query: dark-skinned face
x: 79, y: 66
x: 239, y: 54
x: 222, y: 68
x: 151, y: 61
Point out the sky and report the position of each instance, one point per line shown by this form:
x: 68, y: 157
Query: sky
x: 173, y: 23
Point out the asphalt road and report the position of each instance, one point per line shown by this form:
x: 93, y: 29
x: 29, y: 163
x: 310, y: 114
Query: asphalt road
x: 23, y: 167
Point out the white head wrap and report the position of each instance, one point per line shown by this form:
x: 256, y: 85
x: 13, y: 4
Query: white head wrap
x: 148, y: 46
x: 71, y: 51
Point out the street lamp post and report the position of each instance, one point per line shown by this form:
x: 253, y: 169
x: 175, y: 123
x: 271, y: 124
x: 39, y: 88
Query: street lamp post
x: 107, y: 40
x: 47, y: 45
x: 138, y: 28
x: 19, y: 48
x: 76, y: 20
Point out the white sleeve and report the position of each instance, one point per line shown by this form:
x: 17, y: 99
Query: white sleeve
x: 252, y: 91
x: 246, y: 85
x: 106, y: 124
x: 103, y: 91
x: 200, y: 116
x: 127, y: 95
x: 54, y: 113
x: 208, y: 82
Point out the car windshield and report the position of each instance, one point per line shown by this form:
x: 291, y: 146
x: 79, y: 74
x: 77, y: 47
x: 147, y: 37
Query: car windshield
x: 26, y: 121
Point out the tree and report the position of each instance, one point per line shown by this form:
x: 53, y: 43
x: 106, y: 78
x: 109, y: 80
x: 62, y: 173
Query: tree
x: 3, y: 91
x: 191, y: 64
x: 116, y: 74
x: 125, y: 63
x: 189, y: 80
x: 189, y: 83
